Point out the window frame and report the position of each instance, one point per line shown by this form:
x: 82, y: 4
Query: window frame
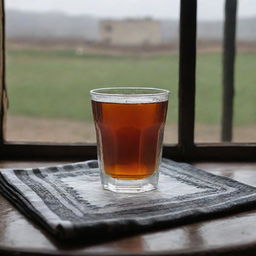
x: 185, y: 150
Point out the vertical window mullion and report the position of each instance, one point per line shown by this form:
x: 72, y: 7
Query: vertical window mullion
x: 187, y: 69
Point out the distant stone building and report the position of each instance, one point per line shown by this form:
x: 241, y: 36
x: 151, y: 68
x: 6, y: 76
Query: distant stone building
x: 130, y: 32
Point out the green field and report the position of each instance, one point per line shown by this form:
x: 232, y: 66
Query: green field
x: 56, y: 84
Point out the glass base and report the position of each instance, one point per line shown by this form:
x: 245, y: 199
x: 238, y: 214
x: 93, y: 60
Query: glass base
x: 129, y: 186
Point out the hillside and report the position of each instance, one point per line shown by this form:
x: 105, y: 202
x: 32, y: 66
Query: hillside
x: 20, y: 24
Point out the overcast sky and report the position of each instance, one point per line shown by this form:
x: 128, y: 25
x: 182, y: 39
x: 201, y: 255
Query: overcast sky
x: 207, y: 9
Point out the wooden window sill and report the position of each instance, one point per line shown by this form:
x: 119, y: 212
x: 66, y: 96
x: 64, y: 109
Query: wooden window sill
x: 231, y: 235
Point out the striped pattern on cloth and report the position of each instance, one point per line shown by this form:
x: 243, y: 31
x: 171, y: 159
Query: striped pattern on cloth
x: 69, y: 202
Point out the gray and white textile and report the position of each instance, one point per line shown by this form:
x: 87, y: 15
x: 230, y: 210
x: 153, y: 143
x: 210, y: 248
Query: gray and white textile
x: 69, y: 202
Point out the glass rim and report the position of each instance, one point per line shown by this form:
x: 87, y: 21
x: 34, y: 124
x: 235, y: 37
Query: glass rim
x: 155, y: 91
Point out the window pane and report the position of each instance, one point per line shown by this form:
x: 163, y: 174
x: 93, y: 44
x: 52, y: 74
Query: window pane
x: 208, y: 76
x: 59, y: 50
x: 209, y: 72
x: 245, y: 75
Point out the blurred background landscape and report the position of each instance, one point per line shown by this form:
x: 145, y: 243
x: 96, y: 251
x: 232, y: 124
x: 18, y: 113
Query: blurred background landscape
x: 54, y: 57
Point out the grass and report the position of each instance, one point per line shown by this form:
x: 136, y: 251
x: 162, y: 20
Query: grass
x: 56, y: 84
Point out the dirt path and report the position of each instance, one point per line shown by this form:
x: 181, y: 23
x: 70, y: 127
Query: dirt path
x: 61, y: 130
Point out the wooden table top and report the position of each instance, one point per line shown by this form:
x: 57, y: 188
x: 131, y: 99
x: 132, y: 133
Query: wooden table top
x: 232, y: 235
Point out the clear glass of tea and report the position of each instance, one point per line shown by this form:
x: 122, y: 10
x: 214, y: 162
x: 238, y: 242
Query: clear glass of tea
x: 129, y: 123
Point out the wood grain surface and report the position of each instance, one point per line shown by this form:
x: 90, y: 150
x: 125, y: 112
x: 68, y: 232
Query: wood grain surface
x: 230, y: 235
